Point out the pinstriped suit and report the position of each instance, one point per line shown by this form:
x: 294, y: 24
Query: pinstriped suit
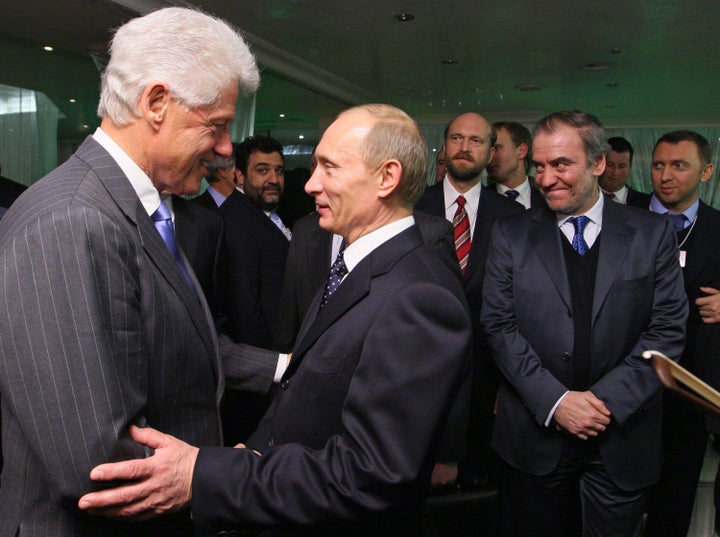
x: 98, y: 329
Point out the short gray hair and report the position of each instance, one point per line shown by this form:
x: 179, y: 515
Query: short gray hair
x: 588, y: 126
x: 218, y: 163
x: 195, y: 54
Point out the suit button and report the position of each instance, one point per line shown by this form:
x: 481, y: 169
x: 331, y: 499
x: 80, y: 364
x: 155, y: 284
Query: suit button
x: 284, y: 384
x: 566, y: 356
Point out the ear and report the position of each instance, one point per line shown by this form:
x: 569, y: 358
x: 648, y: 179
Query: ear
x: 707, y: 172
x: 154, y: 103
x: 239, y: 178
x: 522, y: 151
x: 390, y: 176
x: 599, y: 167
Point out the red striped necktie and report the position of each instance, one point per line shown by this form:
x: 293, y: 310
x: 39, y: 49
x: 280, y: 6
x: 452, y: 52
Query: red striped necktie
x: 461, y: 223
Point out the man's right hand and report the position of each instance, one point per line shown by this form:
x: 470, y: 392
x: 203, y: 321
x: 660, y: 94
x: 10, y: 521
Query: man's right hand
x: 582, y: 415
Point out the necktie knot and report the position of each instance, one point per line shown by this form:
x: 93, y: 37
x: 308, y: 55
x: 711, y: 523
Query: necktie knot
x: 512, y: 194
x: 461, y: 201
x: 337, y: 273
x: 162, y: 213
x: 578, y: 242
x: 678, y: 221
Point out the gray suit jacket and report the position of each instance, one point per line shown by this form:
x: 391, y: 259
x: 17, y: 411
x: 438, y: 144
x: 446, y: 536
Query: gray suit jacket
x: 639, y: 303
x: 98, y: 330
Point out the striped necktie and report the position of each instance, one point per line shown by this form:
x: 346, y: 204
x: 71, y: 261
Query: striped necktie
x: 461, y: 225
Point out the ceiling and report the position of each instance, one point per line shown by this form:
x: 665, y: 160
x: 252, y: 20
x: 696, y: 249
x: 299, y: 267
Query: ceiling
x: 320, y: 56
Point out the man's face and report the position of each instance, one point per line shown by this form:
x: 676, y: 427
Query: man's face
x: 566, y: 181
x: 506, y: 159
x: 617, y: 169
x: 677, y: 171
x: 344, y: 188
x: 187, y: 140
x: 468, y: 148
x: 265, y: 179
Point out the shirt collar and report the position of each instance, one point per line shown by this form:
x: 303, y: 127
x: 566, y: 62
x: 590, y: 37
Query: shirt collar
x: 141, y: 183
x: 362, y: 247
x: 594, y: 213
x: 690, y: 213
x: 472, y: 196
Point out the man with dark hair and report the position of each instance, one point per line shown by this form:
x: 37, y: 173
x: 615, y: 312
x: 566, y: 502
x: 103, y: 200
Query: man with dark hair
x: 510, y: 163
x: 472, y: 209
x: 574, y: 293
x: 681, y: 163
x: 617, y: 170
x: 256, y: 244
x: 348, y: 444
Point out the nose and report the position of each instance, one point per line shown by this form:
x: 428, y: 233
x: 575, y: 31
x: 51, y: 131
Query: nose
x: 223, y: 146
x: 313, y: 186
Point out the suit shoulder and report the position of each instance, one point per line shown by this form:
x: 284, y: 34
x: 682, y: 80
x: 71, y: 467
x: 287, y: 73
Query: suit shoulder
x: 502, y: 204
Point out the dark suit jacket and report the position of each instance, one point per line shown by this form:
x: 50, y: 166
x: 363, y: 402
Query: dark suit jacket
x: 638, y: 304
x: 255, y: 253
x: 308, y: 263
x: 492, y: 207
x: 199, y: 233
x: 536, y: 198
x: 638, y: 199
x: 702, y: 269
x: 352, y: 429
x: 207, y: 201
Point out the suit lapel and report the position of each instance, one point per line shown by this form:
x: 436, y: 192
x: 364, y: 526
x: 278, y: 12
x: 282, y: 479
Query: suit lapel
x: 544, y: 237
x: 122, y: 192
x: 484, y: 221
x: 616, y: 238
x: 353, y: 289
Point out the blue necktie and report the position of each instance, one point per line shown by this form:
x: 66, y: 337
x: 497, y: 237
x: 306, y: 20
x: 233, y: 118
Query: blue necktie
x: 337, y: 273
x: 578, y: 242
x: 512, y: 194
x: 164, y: 224
x: 678, y: 221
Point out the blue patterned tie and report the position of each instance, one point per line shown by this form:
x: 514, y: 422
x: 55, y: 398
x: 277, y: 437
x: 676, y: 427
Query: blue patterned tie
x: 678, y: 221
x: 164, y: 224
x: 578, y: 242
x: 337, y: 273
x: 512, y: 194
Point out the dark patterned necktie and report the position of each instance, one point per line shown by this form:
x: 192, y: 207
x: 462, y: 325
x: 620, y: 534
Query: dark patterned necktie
x: 164, y: 224
x: 337, y: 273
x: 512, y: 194
x: 461, y: 225
x: 578, y: 242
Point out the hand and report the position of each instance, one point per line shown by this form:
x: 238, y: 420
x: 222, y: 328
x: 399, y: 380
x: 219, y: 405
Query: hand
x: 156, y: 485
x: 582, y: 415
x: 444, y: 474
x: 709, y: 305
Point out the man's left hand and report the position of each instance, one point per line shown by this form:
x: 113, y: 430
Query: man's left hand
x: 156, y: 485
x: 709, y: 305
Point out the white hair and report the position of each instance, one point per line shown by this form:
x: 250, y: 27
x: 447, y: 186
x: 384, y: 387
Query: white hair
x: 195, y: 54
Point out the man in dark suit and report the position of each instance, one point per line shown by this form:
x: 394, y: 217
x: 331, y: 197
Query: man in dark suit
x: 104, y: 325
x: 508, y: 167
x: 221, y: 182
x: 255, y: 245
x: 348, y: 443
x: 574, y: 293
x: 469, y: 143
x: 618, y: 167
x: 681, y: 163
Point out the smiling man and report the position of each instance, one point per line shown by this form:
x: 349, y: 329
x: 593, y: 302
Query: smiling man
x: 103, y: 322
x: 348, y: 443
x: 574, y: 293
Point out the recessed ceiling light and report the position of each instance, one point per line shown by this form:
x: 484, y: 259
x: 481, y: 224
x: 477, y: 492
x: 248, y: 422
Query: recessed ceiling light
x: 404, y: 17
x: 48, y: 48
x: 86, y: 126
x: 529, y: 87
x: 282, y: 115
x: 476, y: 90
x: 599, y: 66
x: 609, y: 105
x: 450, y: 61
x: 71, y: 100
x: 302, y: 136
x: 613, y: 84
x: 616, y: 50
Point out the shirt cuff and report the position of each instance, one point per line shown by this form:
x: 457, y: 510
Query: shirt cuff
x: 554, y: 408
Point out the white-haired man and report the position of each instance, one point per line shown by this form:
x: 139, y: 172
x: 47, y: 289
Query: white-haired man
x: 104, y: 324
